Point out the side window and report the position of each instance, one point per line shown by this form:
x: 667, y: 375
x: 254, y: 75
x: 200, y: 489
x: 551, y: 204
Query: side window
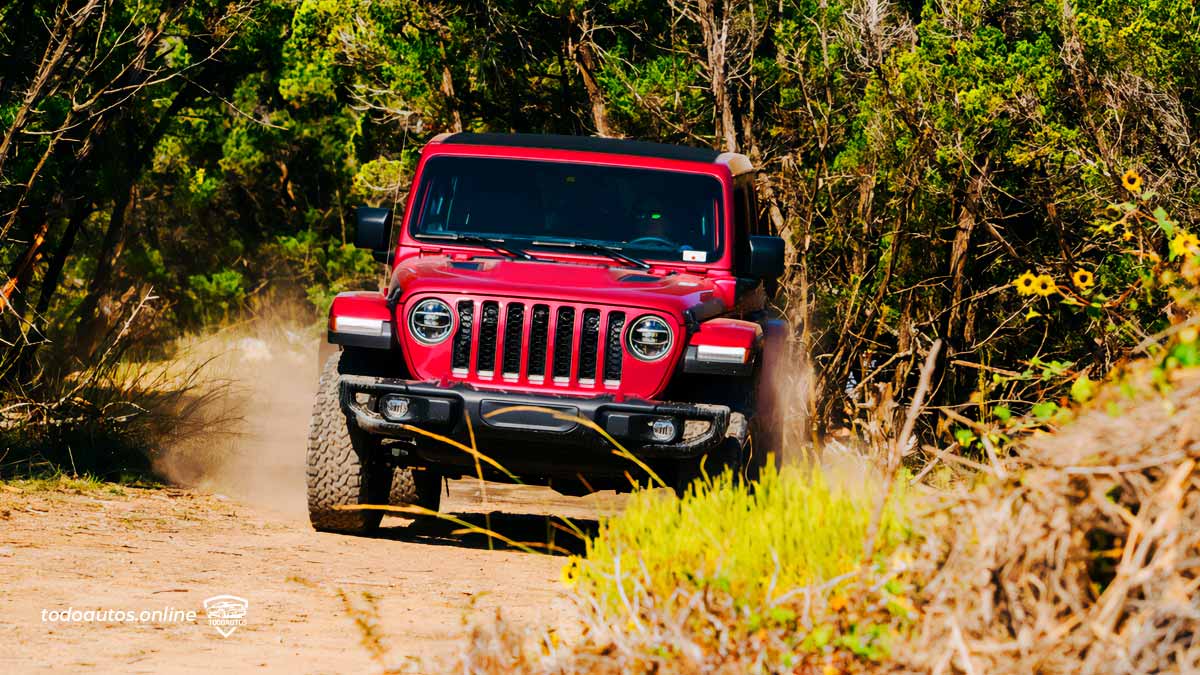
x: 741, y: 222
x: 741, y: 210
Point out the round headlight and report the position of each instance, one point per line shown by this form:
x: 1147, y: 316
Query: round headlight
x: 430, y: 322
x: 649, y: 338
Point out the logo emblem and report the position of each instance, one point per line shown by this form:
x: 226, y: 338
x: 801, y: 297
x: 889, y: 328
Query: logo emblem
x: 226, y: 613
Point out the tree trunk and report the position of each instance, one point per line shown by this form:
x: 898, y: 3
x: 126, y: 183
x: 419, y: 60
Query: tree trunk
x: 967, y: 219
x: 448, y: 92
x: 114, y: 235
x: 584, y: 56
x: 716, y: 39
x: 56, y: 50
x: 53, y: 275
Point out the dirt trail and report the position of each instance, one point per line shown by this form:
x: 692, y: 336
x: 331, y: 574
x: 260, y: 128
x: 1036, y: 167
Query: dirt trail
x: 243, y: 532
x: 158, y: 549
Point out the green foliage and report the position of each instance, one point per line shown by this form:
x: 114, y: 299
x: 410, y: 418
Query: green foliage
x: 919, y: 161
x: 214, y: 297
x: 322, y: 268
x: 782, y: 566
x: 797, y: 528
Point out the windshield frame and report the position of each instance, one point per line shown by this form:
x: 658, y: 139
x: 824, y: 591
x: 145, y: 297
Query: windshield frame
x: 719, y: 257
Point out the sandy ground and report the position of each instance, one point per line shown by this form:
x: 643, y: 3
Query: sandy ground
x: 171, y: 548
x: 242, y: 531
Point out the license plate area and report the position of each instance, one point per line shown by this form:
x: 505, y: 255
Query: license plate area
x: 506, y: 415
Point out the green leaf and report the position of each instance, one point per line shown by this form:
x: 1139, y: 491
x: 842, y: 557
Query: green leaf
x: 1187, y: 354
x: 1045, y: 410
x: 818, y: 638
x: 1002, y: 413
x: 1083, y: 389
x: 964, y: 437
x: 1164, y: 222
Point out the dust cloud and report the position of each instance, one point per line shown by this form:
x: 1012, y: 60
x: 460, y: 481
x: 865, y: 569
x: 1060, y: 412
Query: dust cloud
x: 789, y: 383
x: 254, y: 436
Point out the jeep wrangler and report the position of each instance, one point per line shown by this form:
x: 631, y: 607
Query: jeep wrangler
x: 584, y: 313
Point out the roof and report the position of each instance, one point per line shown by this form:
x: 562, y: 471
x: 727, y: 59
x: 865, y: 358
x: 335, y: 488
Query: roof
x: 615, y: 146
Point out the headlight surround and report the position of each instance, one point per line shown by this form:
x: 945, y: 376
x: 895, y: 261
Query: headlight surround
x: 649, y: 338
x: 431, y: 322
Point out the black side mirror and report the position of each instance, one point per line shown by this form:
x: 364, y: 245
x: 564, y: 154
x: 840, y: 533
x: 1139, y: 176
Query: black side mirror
x: 374, y: 230
x: 765, y: 259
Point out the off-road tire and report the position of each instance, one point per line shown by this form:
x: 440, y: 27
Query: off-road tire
x: 342, y: 468
x: 735, y: 453
x: 416, y: 487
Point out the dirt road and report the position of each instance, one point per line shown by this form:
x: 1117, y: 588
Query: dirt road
x: 170, y: 548
x: 243, y: 531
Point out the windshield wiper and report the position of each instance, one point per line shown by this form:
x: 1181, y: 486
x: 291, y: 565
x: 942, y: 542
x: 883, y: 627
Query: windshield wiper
x: 609, y: 251
x: 496, y: 244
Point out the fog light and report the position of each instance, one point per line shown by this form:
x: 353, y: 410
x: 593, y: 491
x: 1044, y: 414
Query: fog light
x: 663, y: 430
x: 393, y: 407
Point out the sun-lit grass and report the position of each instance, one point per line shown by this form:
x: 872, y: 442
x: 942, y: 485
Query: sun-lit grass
x: 797, y: 527
x: 80, y: 484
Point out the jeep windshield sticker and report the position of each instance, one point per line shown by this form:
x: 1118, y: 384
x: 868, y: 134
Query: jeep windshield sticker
x: 695, y: 256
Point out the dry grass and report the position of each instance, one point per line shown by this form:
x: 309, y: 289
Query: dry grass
x: 1086, y: 559
x: 105, y: 418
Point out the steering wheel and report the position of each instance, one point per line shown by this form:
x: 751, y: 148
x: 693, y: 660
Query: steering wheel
x: 652, y: 240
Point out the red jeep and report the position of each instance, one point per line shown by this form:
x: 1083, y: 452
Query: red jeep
x: 567, y: 311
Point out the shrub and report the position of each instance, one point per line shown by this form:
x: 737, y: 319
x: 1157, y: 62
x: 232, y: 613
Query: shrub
x: 215, y: 297
x: 727, y: 580
x: 798, y: 527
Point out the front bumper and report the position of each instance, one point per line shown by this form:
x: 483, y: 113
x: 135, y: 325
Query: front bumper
x: 551, y: 424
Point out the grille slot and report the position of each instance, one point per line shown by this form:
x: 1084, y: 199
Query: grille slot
x: 489, y: 320
x: 589, y: 344
x: 514, y: 327
x: 543, y: 343
x: 612, y: 348
x: 539, y: 332
x: 461, y: 358
x: 564, y: 334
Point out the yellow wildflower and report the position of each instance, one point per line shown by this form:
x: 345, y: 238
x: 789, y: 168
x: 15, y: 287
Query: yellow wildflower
x: 1083, y: 279
x: 1189, y: 334
x: 1025, y: 283
x: 1132, y: 181
x: 1185, y: 242
x: 570, y: 572
x: 1044, y: 286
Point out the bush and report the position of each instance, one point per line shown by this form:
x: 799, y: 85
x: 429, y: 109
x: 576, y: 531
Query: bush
x: 727, y: 580
x: 107, y: 418
x: 798, y: 527
x: 215, y: 297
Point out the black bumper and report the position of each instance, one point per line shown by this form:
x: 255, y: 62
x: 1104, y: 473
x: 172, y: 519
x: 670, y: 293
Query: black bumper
x: 560, y: 423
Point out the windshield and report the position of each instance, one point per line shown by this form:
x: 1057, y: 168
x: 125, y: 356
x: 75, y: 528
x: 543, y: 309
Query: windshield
x: 655, y: 214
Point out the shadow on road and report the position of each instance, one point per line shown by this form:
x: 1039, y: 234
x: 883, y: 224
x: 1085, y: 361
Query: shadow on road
x: 554, y: 535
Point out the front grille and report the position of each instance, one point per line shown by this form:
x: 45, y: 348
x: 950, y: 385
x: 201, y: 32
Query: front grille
x: 539, y: 333
x: 514, y: 325
x: 612, y: 347
x: 589, y: 344
x: 569, y: 345
x: 489, y: 323
x: 461, y: 357
x: 564, y: 331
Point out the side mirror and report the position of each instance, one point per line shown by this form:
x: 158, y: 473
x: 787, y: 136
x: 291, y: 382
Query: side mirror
x: 765, y: 259
x: 373, y: 230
